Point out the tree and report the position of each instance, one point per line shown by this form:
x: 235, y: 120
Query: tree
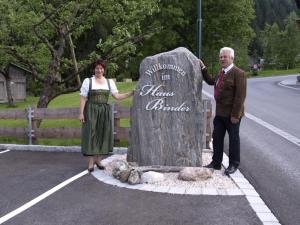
x: 270, y: 12
x: 270, y: 39
x: 225, y: 23
x: 281, y: 47
x: 35, y: 33
x: 289, y: 47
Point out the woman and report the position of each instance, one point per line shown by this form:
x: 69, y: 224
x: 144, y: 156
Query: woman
x: 96, y: 116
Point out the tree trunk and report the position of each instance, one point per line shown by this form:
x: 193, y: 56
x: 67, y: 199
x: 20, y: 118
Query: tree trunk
x: 73, y: 55
x: 10, y: 99
x: 50, y: 86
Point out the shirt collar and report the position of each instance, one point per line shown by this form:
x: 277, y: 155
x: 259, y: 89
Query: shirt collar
x: 228, y: 68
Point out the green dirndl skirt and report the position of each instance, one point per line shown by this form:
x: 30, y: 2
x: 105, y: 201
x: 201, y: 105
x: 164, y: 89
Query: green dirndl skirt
x: 96, y: 131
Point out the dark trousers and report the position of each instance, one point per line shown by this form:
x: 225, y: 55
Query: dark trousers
x: 221, y: 125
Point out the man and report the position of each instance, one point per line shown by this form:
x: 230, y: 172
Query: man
x: 230, y: 93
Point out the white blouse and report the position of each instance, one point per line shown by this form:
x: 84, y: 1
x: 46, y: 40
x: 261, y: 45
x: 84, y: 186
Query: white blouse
x: 84, y: 90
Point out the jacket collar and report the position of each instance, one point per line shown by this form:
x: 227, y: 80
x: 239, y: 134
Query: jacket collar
x: 228, y: 68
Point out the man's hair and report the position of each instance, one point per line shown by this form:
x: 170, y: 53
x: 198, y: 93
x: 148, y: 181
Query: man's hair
x: 230, y: 50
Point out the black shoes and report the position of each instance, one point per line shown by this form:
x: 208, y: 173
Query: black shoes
x: 230, y: 169
x: 212, y: 165
x: 99, y: 166
x: 91, y: 170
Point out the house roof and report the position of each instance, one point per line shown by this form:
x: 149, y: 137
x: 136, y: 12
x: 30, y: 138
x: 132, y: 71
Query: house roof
x: 19, y: 67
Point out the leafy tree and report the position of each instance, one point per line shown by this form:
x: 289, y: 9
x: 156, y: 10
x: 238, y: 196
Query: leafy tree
x: 270, y: 39
x: 272, y: 11
x: 225, y: 23
x: 37, y: 34
x: 269, y: 11
x: 281, y: 47
x: 176, y: 25
x: 289, y: 47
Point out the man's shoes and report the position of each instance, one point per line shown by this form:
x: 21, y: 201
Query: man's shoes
x: 230, y: 169
x: 212, y: 165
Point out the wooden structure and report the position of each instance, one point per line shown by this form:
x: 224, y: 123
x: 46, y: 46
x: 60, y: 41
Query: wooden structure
x: 32, y: 133
x: 35, y: 114
x: 18, y: 83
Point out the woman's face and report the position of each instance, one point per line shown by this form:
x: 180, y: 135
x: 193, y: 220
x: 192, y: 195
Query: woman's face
x: 99, y: 71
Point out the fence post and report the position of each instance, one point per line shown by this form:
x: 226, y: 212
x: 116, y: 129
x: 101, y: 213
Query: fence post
x: 204, y: 122
x: 34, y: 125
x: 29, y: 112
x: 113, y: 121
x: 208, y: 124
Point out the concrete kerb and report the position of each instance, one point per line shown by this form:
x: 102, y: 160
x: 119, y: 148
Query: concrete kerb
x: 292, y: 84
x: 44, y: 148
x: 244, y: 188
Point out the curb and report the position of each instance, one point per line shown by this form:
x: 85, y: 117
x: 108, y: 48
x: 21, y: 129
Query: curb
x: 44, y: 148
x: 244, y: 187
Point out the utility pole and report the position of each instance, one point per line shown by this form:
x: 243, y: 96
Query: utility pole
x: 298, y: 3
x: 298, y: 23
x: 298, y: 20
x: 199, y: 29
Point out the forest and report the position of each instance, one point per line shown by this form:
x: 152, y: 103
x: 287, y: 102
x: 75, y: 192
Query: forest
x: 57, y: 40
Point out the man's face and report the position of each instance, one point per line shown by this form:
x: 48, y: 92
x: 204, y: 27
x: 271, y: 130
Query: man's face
x: 225, y: 59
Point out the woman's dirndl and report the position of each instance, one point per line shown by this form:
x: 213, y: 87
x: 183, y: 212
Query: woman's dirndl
x: 96, y: 131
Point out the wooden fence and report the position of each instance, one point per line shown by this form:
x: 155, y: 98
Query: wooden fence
x: 33, y: 115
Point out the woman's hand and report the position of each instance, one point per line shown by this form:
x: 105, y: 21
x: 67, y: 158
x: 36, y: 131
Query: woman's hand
x: 119, y: 96
x: 81, y: 118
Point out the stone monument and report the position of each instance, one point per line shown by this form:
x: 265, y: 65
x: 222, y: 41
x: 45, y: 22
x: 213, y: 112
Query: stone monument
x: 166, y: 116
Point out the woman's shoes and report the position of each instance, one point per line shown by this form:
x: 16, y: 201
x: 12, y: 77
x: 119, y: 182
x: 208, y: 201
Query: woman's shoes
x: 91, y: 170
x: 99, y: 166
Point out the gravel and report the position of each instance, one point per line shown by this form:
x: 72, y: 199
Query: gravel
x: 218, y: 180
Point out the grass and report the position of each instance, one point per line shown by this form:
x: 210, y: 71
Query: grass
x: 21, y: 105
x: 63, y: 101
x: 72, y: 100
x: 268, y: 73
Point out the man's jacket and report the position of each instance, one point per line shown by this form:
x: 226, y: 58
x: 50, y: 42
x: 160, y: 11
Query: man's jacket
x: 231, y: 94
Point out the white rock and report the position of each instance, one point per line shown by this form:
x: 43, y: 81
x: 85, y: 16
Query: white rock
x: 194, y: 173
x: 152, y: 177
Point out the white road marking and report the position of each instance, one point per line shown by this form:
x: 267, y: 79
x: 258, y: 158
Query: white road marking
x: 41, y: 197
x: 270, y: 127
x: 282, y: 85
x: 4, y: 151
x: 274, y: 129
x: 252, y: 196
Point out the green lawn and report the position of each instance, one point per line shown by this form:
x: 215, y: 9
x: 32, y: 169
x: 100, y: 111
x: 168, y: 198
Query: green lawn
x: 268, y: 73
x: 63, y: 101
x: 72, y: 100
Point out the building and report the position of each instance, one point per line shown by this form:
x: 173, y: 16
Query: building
x: 17, y: 75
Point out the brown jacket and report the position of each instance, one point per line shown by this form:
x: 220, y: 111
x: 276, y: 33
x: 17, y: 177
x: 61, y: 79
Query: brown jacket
x: 232, y: 93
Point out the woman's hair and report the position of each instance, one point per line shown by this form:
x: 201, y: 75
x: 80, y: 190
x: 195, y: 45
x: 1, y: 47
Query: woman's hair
x: 99, y: 62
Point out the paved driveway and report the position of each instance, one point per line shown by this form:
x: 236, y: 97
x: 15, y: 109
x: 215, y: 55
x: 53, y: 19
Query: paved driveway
x: 26, y: 175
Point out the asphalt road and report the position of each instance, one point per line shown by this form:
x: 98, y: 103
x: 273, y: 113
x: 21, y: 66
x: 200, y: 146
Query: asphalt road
x: 269, y: 161
x: 87, y: 201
